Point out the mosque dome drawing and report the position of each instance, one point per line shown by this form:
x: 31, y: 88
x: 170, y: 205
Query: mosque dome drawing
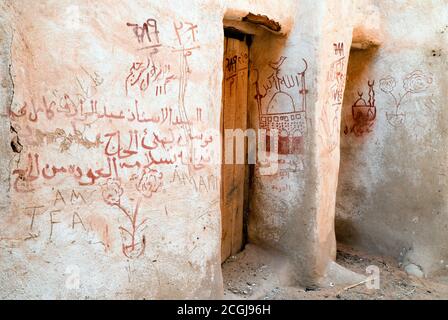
x: 280, y: 102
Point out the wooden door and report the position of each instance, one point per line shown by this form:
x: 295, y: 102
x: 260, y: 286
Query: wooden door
x: 234, y: 116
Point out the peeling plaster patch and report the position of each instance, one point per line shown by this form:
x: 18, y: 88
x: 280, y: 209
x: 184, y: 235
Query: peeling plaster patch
x: 65, y: 139
x: 364, y: 45
x: 7, y: 93
x: 16, y: 146
x: 263, y: 21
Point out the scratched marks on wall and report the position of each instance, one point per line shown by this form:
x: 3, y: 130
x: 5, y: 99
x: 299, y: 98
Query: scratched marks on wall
x: 88, y: 82
x: 65, y: 140
x: 329, y: 118
x: 363, y: 113
x: 49, y: 219
x: 279, y: 109
x: 199, y: 183
x: 416, y: 82
x: 124, y: 142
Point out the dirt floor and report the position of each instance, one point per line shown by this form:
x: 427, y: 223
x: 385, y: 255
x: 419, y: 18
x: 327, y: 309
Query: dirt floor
x: 256, y: 274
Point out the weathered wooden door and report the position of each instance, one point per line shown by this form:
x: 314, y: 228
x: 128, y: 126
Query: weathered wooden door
x: 234, y: 116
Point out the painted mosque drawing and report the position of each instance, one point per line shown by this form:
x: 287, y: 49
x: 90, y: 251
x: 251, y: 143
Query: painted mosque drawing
x: 281, y: 112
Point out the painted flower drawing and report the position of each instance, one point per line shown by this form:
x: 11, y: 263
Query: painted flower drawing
x: 149, y: 182
x: 417, y: 82
x: 133, y: 243
x: 112, y: 192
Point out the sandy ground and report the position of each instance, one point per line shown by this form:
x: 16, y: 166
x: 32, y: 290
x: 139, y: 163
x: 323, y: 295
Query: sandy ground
x: 257, y: 274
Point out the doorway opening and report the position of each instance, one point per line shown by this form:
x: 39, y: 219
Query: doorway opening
x: 235, y: 177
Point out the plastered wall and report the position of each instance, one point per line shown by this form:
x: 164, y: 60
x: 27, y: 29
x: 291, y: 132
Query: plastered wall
x: 108, y: 100
x: 392, y: 184
x: 110, y: 114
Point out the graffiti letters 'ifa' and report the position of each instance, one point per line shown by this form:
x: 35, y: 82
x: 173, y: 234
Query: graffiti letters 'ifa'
x: 63, y: 203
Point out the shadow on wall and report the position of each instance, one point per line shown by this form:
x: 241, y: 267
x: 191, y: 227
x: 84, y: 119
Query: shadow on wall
x: 358, y: 123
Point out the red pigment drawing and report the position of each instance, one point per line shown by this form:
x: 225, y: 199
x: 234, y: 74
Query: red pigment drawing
x: 148, y: 183
x: 363, y: 113
x: 281, y: 112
